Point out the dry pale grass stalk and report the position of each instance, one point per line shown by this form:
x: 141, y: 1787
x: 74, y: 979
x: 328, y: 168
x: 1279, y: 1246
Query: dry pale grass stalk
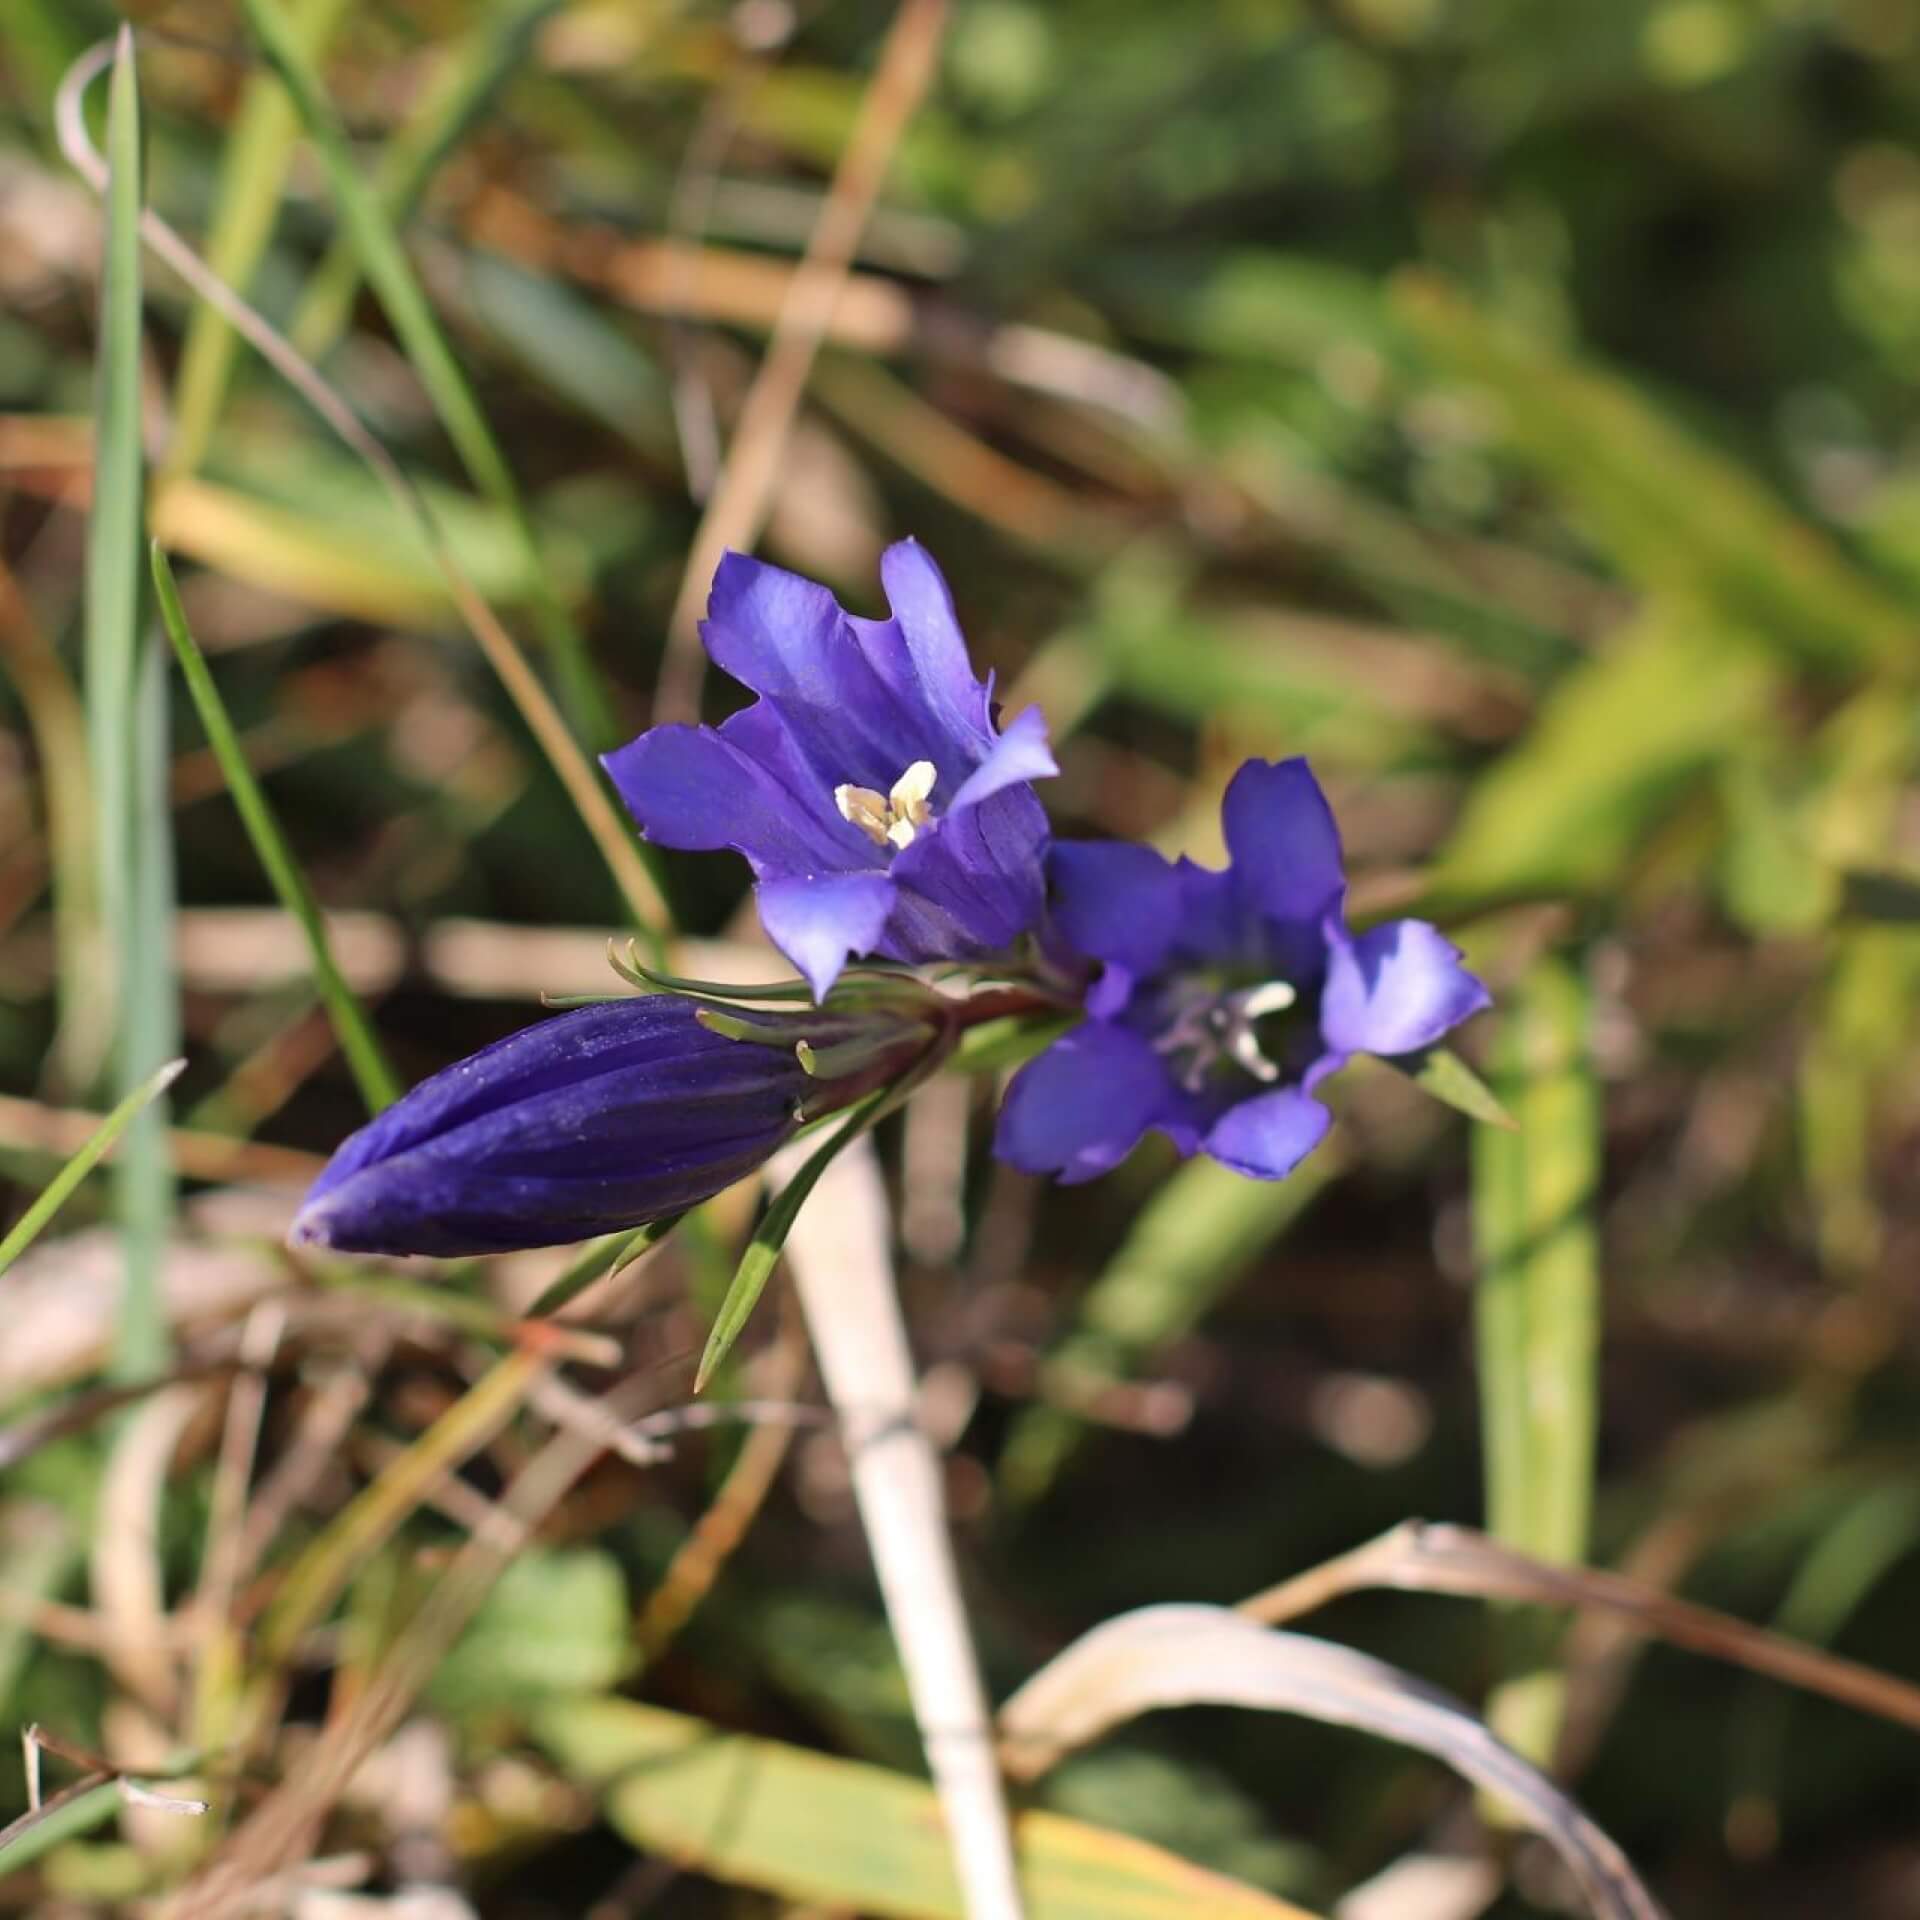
x: 1419, y: 1557
x: 1425, y: 1886
x: 319, y: 1433
x: 738, y: 507
x: 843, y: 1272
x: 1170, y: 1656
x: 125, y: 1568
x: 211, y: 1608
x: 874, y: 315
x: 286, y: 1825
x: 80, y: 1628
x: 63, y: 1131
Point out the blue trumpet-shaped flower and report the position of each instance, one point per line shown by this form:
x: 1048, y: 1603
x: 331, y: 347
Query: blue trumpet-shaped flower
x: 881, y: 811
x: 1225, y: 999
x: 601, y: 1119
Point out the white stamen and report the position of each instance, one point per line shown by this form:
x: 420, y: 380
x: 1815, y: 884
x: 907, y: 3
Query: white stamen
x: 890, y: 819
x: 1207, y: 1028
x: 1244, y: 1045
x: 910, y: 791
x: 1273, y: 996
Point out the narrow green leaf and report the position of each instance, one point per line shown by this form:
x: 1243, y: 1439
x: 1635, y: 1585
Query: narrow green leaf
x: 602, y: 1261
x: 79, y: 1810
x: 56, y: 1193
x: 652, y: 977
x: 1861, y: 1020
x: 763, y: 1250
x: 1875, y: 1531
x: 842, y: 1834
x: 379, y: 1085
x: 150, y: 1016
x: 377, y: 242
x: 1618, y: 737
x: 127, y: 745
x: 1537, y: 1311
x: 253, y: 169
x: 1198, y: 1234
x: 464, y: 83
x: 1634, y: 477
x: 995, y: 1045
x: 113, y: 529
x: 1442, y: 1073
x: 1771, y: 876
x: 580, y: 354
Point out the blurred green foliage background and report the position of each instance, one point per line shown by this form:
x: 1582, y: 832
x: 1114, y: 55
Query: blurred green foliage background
x: 1512, y: 407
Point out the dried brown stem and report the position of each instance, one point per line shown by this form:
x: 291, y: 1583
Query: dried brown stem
x: 738, y: 508
x: 1417, y: 1557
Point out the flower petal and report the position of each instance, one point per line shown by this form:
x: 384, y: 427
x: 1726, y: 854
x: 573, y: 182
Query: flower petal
x: 1081, y: 1107
x: 817, y: 923
x: 849, y: 691
x: 777, y: 632
x: 448, y: 1202
x: 973, y: 884
x: 1115, y: 901
x: 695, y: 787
x: 1268, y: 1136
x: 1021, y: 753
x: 1396, y: 989
x: 936, y: 650
x: 598, y: 1119
x: 1283, y: 841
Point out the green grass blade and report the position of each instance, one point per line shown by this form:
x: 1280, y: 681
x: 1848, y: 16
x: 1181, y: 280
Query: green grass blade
x: 763, y: 1250
x: 1858, y: 1032
x: 1537, y: 1310
x: 1195, y: 1237
x: 1876, y: 1530
x: 66, y: 1817
x: 461, y: 90
x: 1631, y: 474
x: 126, y: 725
x: 379, y: 1085
x: 113, y: 532
x: 150, y: 1012
x: 55, y: 1194
x: 1442, y: 1075
x: 392, y: 277
x: 253, y: 172
x: 603, y: 1259
x: 1572, y: 804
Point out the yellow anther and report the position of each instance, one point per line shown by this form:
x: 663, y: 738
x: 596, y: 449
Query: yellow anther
x: 867, y: 810
x: 890, y: 819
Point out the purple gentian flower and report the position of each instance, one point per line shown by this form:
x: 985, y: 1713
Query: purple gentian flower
x: 1225, y: 998
x: 880, y: 810
x: 605, y: 1118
